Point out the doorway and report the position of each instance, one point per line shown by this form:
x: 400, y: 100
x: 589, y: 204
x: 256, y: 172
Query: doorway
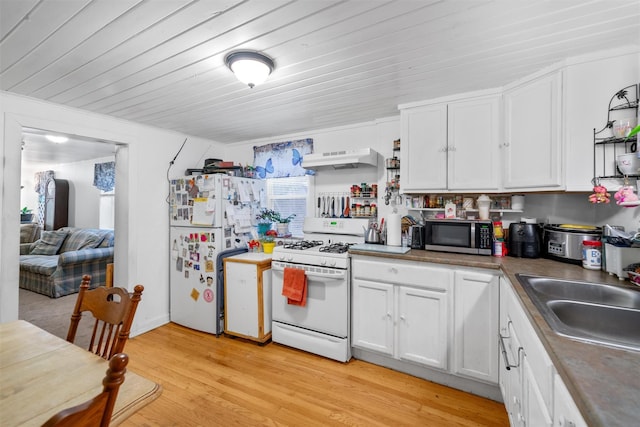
x: 73, y: 158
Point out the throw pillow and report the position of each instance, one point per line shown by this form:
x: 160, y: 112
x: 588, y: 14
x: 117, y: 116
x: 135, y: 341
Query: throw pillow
x: 49, y: 243
x: 81, y: 239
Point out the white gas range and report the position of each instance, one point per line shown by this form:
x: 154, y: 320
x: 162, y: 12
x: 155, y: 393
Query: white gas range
x: 322, y: 326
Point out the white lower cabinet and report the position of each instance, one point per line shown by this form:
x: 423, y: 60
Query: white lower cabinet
x: 533, y: 393
x: 475, y: 320
x: 565, y: 411
x: 435, y: 316
x: 527, y: 384
x: 372, y: 316
x: 422, y: 326
x: 401, y: 309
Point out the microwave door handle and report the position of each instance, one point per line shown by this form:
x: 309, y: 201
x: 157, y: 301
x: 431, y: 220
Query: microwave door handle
x: 473, y: 235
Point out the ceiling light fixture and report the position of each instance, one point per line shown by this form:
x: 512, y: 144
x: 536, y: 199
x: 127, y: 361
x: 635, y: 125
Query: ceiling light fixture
x: 251, y: 68
x: 58, y: 139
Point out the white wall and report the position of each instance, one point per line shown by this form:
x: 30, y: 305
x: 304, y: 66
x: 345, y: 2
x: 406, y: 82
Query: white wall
x: 84, y: 198
x: 378, y: 135
x: 141, y: 250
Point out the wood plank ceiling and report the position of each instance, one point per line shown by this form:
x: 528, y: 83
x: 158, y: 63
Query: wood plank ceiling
x: 161, y: 62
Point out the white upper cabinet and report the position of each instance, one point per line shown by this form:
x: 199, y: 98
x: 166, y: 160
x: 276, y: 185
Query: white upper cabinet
x: 474, y: 139
x: 423, y: 157
x: 532, y: 150
x: 451, y: 145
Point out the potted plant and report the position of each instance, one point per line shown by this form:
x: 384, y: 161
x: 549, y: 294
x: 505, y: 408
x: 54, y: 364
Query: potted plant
x: 26, y: 215
x: 266, y: 217
x: 269, y: 241
x: 282, y: 223
x: 265, y: 220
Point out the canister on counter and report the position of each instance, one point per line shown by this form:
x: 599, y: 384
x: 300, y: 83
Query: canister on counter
x: 592, y: 254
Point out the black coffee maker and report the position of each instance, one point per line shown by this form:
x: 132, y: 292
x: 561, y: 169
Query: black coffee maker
x: 417, y: 236
x: 524, y: 240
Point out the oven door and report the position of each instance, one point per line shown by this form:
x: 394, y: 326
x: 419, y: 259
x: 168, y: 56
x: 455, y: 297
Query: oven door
x: 327, y: 308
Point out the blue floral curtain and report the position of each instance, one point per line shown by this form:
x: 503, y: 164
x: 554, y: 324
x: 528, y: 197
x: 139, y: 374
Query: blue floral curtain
x: 104, y: 176
x: 282, y: 159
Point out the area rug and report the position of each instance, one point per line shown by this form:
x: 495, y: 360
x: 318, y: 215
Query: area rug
x: 54, y: 315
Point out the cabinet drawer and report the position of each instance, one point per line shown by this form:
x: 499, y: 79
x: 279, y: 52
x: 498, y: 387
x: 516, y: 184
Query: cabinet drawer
x: 403, y: 273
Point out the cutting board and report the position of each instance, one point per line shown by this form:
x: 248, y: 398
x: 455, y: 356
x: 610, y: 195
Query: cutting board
x: 380, y: 248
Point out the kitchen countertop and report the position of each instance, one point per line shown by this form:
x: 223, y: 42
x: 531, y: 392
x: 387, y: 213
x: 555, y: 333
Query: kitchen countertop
x: 603, y: 381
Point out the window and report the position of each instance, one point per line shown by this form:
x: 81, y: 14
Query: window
x: 290, y: 196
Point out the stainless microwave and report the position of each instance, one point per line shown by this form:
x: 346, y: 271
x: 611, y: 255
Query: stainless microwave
x: 459, y: 235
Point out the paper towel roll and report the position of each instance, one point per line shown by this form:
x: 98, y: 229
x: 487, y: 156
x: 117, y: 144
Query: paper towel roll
x: 394, y: 230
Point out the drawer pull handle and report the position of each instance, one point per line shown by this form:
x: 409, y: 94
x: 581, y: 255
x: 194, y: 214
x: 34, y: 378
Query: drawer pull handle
x: 503, y: 349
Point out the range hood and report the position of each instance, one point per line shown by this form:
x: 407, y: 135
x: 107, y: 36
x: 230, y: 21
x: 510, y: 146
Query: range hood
x: 343, y: 159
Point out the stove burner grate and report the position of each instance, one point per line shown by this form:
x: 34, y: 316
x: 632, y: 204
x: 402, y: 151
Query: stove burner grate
x: 337, y: 248
x: 303, y: 244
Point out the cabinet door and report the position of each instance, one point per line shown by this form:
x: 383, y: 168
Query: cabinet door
x: 423, y: 157
x: 422, y: 326
x: 565, y: 411
x: 535, y: 408
x: 473, y: 144
x: 513, y: 378
x: 372, y: 316
x: 532, y: 148
x: 241, y: 299
x: 475, y: 306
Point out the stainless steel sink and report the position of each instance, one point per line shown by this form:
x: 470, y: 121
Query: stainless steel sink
x: 592, y: 312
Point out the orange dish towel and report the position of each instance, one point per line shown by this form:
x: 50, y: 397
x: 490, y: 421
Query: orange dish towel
x: 294, y: 286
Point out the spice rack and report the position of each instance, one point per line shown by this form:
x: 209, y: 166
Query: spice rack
x: 393, y: 173
x: 364, y: 199
x: 605, y: 146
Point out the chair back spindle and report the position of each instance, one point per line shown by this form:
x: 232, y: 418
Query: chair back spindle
x: 113, y: 309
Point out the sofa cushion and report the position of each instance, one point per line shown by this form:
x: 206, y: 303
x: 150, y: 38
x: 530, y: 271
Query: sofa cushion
x: 39, y: 264
x: 29, y: 233
x: 81, y: 239
x: 49, y: 243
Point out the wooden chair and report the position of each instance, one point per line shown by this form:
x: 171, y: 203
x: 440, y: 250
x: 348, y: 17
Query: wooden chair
x: 113, y: 309
x: 98, y: 410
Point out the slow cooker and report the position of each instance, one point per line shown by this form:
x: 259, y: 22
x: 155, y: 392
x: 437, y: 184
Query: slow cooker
x: 563, y: 242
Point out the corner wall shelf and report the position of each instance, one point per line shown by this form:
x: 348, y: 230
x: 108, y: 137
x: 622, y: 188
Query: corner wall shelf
x: 605, y: 145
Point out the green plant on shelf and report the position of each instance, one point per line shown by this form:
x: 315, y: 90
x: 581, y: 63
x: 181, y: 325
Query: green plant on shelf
x: 633, y: 132
x: 25, y: 211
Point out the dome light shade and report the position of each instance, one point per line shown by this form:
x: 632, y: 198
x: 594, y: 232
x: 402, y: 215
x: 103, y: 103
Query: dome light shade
x: 251, y: 68
x: 58, y: 139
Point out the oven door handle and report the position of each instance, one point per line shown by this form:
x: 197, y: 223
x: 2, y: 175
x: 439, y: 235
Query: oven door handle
x: 332, y: 276
x: 325, y: 276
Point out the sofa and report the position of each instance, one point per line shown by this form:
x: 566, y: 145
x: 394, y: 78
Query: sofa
x: 54, y: 264
x: 29, y: 233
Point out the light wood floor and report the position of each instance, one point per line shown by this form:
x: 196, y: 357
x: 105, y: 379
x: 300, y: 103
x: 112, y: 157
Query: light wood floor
x: 209, y: 381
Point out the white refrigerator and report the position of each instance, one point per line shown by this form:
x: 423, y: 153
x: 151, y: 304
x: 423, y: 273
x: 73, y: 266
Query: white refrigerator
x: 209, y: 215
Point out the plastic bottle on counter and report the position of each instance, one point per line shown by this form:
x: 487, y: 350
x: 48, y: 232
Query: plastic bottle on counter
x: 592, y: 254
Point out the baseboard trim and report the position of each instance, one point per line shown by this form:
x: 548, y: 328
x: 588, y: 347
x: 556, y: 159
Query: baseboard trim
x: 470, y: 386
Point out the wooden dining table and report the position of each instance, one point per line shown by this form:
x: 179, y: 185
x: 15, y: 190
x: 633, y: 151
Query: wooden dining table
x: 41, y: 374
